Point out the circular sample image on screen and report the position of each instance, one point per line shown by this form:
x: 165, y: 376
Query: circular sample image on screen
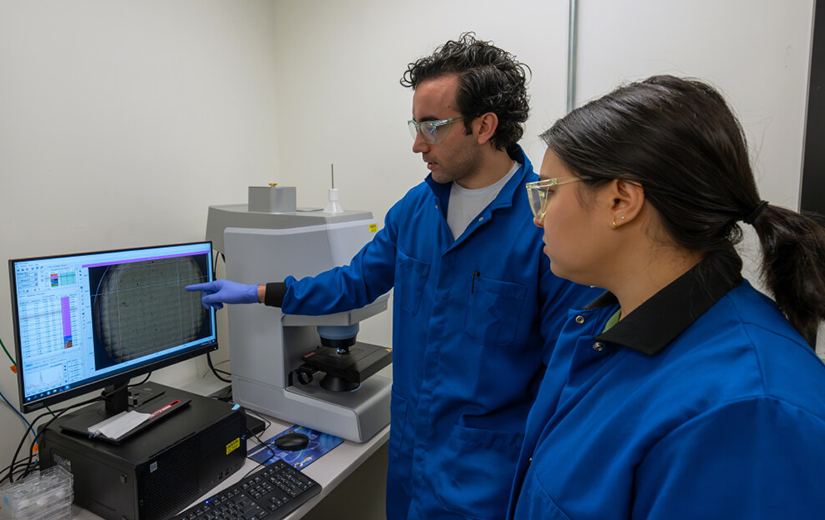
x: 141, y: 308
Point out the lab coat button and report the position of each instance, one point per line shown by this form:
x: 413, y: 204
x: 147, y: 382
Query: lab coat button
x: 598, y: 347
x: 480, y: 219
x: 579, y: 319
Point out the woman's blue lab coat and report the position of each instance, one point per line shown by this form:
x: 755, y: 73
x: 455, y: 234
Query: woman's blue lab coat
x: 703, y: 403
x: 474, y: 319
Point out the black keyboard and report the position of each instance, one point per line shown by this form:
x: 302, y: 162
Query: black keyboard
x: 271, y: 493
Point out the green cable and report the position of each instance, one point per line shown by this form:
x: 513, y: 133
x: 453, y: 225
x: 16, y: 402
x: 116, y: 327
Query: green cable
x: 7, y: 353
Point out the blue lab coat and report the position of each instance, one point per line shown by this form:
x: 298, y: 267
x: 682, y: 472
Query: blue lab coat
x: 703, y: 403
x: 474, y: 319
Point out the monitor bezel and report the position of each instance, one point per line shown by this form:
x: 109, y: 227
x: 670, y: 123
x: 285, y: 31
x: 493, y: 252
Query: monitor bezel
x: 109, y: 379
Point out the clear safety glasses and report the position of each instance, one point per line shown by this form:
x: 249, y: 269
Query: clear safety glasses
x: 432, y: 131
x: 538, y: 192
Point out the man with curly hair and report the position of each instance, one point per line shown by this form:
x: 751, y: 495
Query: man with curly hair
x: 476, y: 310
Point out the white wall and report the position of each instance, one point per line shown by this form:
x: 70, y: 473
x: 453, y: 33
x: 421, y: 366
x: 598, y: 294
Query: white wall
x: 120, y: 123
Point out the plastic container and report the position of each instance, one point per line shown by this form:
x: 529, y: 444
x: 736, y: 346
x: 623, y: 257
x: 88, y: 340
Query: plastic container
x: 44, y: 495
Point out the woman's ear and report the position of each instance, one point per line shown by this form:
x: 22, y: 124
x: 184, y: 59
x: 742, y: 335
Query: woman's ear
x: 626, y: 202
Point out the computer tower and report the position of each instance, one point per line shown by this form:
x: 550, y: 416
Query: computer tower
x: 161, y: 470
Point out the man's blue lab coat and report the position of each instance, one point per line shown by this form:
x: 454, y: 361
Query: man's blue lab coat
x: 703, y: 403
x: 474, y: 321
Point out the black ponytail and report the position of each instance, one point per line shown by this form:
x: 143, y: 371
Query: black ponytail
x: 793, y: 266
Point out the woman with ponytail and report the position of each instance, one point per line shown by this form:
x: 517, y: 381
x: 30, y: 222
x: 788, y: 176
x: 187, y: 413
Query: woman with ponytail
x: 682, y: 392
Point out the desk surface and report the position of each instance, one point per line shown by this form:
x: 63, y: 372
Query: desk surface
x: 330, y: 470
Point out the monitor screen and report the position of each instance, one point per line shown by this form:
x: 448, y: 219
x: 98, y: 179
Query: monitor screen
x: 86, y: 321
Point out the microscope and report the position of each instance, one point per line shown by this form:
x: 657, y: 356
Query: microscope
x: 307, y: 370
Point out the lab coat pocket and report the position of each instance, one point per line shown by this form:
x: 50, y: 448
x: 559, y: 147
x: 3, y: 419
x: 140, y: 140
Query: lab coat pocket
x: 493, y: 311
x: 475, y: 470
x: 410, y: 276
x: 398, y: 415
x: 534, y: 502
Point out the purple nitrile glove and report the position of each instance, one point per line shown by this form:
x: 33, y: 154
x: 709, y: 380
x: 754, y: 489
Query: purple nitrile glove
x: 216, y: 293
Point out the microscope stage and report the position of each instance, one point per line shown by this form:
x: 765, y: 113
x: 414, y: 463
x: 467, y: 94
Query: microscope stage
x: 357, y: 364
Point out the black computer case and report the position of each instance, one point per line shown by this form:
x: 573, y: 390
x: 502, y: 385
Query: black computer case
x: 161, y: 470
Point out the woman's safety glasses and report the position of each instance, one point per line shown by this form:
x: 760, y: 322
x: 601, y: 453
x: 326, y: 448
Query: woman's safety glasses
x: 432, y: 131
x: 538, y: 192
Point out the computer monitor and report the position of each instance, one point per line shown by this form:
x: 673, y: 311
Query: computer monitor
x: 93, y: 320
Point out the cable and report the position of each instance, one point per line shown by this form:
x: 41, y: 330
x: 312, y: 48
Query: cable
x: 215, y: 370
x: 17, y: 467
x: 16, y: 411
x: 28, y: 463
x: 7, y: 353
x: 267, y: 445
x: 209, y: 354
x: 12, y: 468
x: 264, y: 463
x: 13, y: 362
x: 147, y: 379
x: 225, y: 361
x: 10, y: 476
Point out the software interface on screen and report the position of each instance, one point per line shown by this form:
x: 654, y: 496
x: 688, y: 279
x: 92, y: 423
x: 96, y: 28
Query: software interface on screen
x: 87, y: 317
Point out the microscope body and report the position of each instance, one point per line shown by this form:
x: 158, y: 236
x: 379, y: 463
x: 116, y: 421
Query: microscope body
x: 270, y: 350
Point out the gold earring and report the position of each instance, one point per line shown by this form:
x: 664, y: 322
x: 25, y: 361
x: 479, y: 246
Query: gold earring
x: 614, y: 222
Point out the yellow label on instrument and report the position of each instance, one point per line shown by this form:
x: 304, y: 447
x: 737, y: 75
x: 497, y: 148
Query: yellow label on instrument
x: 373, y: 228
x: 232, y: 446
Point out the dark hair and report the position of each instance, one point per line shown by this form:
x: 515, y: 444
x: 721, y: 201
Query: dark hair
x: 489, y: 80
x: 679, y: 140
